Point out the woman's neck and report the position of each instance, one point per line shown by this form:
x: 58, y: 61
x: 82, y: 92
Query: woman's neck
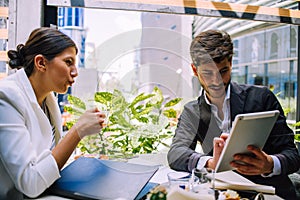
x: 38, y: 89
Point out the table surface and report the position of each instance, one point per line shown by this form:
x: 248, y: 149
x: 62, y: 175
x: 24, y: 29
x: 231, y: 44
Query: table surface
x: 159, y: 177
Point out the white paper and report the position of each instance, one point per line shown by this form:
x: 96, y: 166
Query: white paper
x: 234, y: 181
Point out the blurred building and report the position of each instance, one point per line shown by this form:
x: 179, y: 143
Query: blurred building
x: 3, y: 37
x: 164, y: 54
x: 71, y: 22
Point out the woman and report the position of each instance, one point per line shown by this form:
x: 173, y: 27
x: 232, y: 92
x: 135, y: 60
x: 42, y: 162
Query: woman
x: 31, y: 152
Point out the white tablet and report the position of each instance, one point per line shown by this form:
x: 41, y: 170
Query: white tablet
x: 247, y: 129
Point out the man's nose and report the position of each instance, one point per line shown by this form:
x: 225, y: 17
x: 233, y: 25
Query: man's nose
x: 216, y: 78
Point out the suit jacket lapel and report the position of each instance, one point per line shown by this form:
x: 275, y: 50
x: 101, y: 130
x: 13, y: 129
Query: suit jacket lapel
x: 237, y: 100
x: 207, y: 128
x: 205, y: 116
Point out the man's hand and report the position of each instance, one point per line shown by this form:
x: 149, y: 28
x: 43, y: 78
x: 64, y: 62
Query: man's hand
x: 219, y: 143
x: 255, y: 164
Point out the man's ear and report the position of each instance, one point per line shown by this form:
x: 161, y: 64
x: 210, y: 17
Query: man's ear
x: 39, y: 62
x: 194, y: 68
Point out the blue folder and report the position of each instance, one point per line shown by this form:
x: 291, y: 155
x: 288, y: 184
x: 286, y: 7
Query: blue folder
x: 92, y: 178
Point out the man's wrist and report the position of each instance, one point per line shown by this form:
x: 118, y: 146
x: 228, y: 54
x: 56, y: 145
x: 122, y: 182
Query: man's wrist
x: 209, y: 163
x: 202, y: 163
x: 276, y: 169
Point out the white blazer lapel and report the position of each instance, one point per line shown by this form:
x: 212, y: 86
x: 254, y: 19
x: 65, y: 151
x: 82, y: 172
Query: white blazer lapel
x: 52, y: 104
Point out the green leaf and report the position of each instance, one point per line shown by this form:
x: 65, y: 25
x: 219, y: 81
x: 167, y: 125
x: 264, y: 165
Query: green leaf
x: 159, y: 95
x: 69, y: 124
x: 297, y: 124
x: 73, y: 110
x: 139, y: 98
x: 143, y: 112
x: 118, y: 103
x: 138, y: 108
x: 164, y: 144
x: 103, y: 97
x: 154, y: 118
x: 173, y: 102
x: 143, y: 119
x: 170, y: 113
x: 297, y: 137
x: 76, y: 102
x: 152, y: 105
x: 120, y: 120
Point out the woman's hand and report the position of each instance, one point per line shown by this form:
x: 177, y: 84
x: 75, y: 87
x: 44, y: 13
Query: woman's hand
x: 90, y: 123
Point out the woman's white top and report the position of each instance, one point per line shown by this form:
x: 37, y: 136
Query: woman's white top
x: 25, y: 136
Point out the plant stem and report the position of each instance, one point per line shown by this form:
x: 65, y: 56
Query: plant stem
x: 103, y: 151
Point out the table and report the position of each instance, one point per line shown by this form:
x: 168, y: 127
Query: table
x: 160, y: 176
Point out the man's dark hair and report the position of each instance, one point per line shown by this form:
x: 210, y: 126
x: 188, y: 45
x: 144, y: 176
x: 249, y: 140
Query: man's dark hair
x: 211, y: 45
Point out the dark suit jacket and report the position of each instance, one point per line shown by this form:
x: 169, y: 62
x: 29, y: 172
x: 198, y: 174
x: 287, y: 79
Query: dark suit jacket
x: 197, y: 124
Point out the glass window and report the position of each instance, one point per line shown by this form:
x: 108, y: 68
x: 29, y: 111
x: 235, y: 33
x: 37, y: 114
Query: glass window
x: 274, y: 46
x: 69, y: 16
x: 137, y: 51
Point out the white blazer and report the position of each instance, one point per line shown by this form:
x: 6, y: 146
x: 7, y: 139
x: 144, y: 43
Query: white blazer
x: 25, y: 136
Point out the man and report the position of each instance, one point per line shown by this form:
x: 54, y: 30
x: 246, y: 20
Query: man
x: 220, y: 100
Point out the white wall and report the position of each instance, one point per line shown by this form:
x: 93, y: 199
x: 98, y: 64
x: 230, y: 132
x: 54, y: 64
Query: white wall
x: 24, y: 16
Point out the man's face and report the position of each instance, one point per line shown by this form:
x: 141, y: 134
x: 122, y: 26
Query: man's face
x: 214, y: 77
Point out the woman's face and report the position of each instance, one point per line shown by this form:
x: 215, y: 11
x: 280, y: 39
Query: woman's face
x: 61, y: 71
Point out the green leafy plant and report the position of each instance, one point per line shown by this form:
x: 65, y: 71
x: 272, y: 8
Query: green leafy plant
x: 136, y: 125
x: 286, y: 106
x: 295, y: 126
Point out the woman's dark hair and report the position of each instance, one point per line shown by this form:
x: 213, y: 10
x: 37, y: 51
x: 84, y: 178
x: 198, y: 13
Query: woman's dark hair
x: 211, y: 45
x: 46, y: 41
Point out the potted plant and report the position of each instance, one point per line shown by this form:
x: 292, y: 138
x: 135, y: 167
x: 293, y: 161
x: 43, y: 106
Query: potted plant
x: 297, y: 134
x: 291, y: 111
x: 136, y: 125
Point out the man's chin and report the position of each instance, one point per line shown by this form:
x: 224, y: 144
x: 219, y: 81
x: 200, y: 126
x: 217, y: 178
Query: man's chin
x: 219, y: 94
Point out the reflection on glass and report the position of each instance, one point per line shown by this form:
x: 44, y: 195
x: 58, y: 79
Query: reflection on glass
x: 206, y: 184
